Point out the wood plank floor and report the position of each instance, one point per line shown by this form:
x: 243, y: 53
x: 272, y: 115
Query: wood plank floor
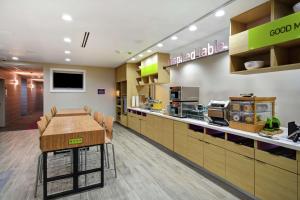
x: 144, y: 172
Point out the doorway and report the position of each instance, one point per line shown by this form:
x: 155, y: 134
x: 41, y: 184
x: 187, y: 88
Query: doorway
x: 2, y: 103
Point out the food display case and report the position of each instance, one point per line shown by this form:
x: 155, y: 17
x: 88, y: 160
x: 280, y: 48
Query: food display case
x: 251, y: 113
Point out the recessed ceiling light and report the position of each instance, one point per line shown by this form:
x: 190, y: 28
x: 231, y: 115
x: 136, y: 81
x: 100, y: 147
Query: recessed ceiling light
x: 67, y: 52
x: 15, y: 58
x: 193, y: 28
x: 66, y: 17
x: 133, y: 59
x: 149, y: 51
x: 141, y: 55
x: 160, y: 45
x: 220, y: 13
x: 174, y: 37
x: 67, y: 40
x: 68, y: 59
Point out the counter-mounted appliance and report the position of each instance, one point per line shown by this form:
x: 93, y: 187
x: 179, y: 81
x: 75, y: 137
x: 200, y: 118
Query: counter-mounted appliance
x: 180, y: 93
x: 218, y: 112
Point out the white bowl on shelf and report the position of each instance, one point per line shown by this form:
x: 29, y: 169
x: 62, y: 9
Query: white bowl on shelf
x: 254, y: 64
x: 296, y: 7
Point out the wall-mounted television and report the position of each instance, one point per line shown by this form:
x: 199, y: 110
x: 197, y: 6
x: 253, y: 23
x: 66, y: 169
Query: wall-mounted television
x: 67, y: 80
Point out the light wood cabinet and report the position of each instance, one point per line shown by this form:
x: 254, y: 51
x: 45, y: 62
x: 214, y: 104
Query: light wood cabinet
x: 144, y: 121
x: 123, y: 120
x: 195, y: 150
x: 214, y: 159
x: 240, y: 171
x: 278, y: 161
x: 165, y: 132
x: 240, y: 149
x: 180, y: 138
x: 134, y: 123
x: 274, y: 183
x: 298, y: 187
x: 121, y: 73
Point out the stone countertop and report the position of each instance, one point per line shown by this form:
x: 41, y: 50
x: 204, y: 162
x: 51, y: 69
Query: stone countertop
x: 280, y: 140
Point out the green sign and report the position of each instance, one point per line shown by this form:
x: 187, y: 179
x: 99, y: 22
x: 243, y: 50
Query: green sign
x: 149, y: 70
x: 75, y: 141
x: 279, y: 31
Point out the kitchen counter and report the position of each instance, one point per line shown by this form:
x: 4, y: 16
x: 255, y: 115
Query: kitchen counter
x: 281, y: 140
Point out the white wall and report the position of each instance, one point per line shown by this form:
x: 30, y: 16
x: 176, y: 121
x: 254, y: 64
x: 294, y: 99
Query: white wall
x: 212, y: 76
x: 96, y: 78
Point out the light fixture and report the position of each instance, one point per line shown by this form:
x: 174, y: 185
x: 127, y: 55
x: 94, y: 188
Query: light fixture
x: 141, y: 55
x: 67, y: 52
x: 68, y: 59
x: 66, y: 18
x: 160, y: 45
x: 149, y: 51
x: 225, y: 47
x: 67, y: 40
x: 15, y: 58
x: 118, y: 93
x: 220, y: 13
x: 133, y: 59
x: 193, y: 28
x: 15, y: 82
x: 174, y: 37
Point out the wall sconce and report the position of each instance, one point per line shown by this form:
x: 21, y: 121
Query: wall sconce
x: 31, y: 86
x: 15, y: 82
x: 118, y: 93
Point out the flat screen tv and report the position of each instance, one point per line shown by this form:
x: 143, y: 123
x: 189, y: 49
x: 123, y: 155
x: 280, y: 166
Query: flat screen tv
x: 67, y: 80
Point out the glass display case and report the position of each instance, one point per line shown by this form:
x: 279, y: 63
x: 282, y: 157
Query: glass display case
x: 251, y: 113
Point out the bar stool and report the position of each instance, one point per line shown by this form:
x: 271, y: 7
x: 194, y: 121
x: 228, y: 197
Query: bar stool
x: 42, y: 124
x: 108, y: 127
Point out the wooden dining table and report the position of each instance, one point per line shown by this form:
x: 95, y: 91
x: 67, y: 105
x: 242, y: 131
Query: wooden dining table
x: 72, y: 133
x: 71, y: 112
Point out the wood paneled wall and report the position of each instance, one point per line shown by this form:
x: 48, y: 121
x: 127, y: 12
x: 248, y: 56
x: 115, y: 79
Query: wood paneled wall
x: 13, y: 97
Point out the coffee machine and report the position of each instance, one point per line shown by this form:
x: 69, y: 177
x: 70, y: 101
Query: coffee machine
x: 218, y: 112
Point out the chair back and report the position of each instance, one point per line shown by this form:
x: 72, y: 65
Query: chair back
x: 108, y: 126
x: 85, y: 108
x: 53, y: 111
x: 98, y: 117
x: 44, y: 119
x: 42, y: 125
x: 48, y: 117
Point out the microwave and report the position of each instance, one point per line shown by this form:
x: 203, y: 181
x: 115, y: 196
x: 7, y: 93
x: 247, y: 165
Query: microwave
x: 180, y: 93
x: 181, y: 109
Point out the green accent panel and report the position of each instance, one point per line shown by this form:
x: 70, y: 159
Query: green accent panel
x: 149, y: 70
x: 75, y: 141
x: 279, y: 31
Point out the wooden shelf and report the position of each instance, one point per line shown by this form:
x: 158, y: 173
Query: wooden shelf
x: 279, y: 57
x: 269, y: 69
x: 252, y: 18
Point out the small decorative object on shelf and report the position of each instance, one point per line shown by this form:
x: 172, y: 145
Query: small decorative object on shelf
x: 251, y: 113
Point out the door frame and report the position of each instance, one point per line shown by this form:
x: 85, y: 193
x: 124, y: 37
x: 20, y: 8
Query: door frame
x: 2, y: 86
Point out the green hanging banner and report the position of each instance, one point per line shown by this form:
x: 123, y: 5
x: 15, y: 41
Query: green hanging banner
x: 149, y: 69
x: 279, y: 31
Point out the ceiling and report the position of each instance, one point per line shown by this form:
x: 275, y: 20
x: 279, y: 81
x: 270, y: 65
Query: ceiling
x: 33, y: 30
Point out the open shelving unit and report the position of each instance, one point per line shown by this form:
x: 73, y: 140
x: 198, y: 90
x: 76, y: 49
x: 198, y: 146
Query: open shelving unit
x: 279, y: 57
x: 159, y: 76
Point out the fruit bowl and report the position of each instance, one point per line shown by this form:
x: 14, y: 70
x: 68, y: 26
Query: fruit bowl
x: 254, y: 64
x: 296, y: 7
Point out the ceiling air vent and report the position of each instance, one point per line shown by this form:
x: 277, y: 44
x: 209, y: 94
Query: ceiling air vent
x: 85, y: 39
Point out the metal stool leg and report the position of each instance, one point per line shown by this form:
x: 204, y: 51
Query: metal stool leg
x: 85, y: 159
x: 114, y: 158
x: 37, y: 176
x: 107, y: 156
